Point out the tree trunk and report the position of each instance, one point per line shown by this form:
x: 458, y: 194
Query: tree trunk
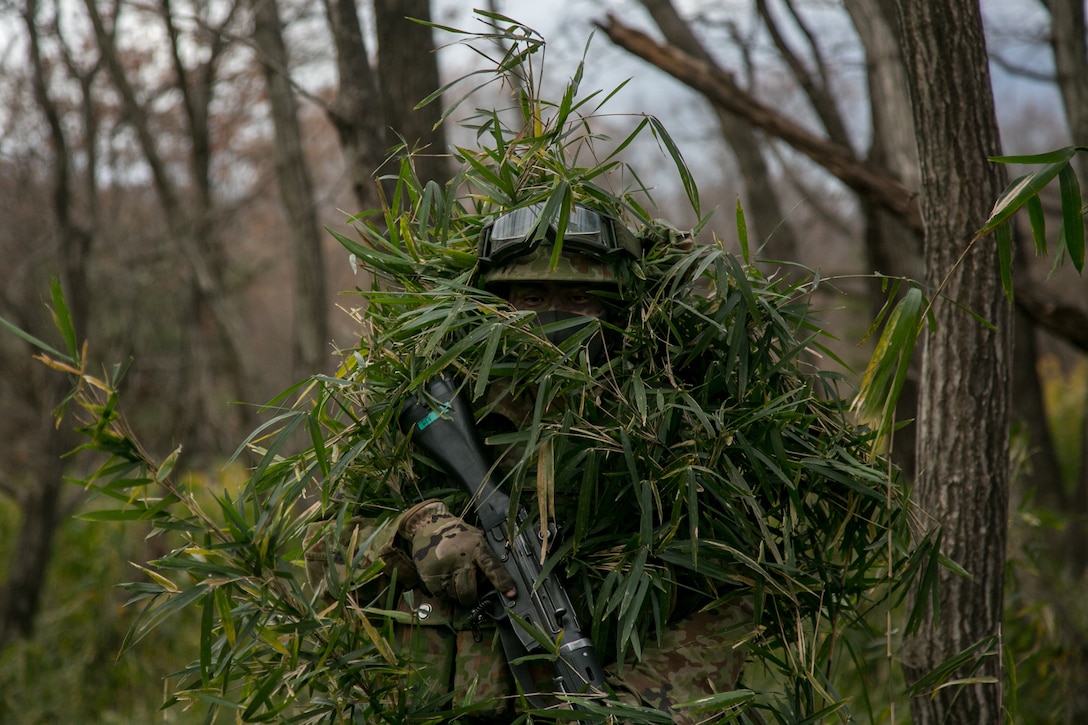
x: 891, y: 248
x: 357, y: 113
x: 32, y: 548
x: 963, y: 423
x: 310, y: 338
x: 408, y: 69
x: 189, y: 229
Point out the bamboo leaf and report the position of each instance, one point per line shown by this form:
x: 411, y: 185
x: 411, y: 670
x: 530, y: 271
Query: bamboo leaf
x: 717, y: 701
x: 742, y: 233
x: 103, y: 515
x: 34, y: 341
x: 941, y: 675
x: 62, y: 318
x: 269, y: 683
x: 639, y: 389
x: 1018, y: 192
x: 628, y: 140
x: 688, y: 181
x: 1072, y: 216
x: 1048, y: 157
x: 545, y: 492
x: 378, y: 641
x: 1038, y: 224
x: 167, y: 585
x: 636, y: 590
x: 1003, y: 237
x: 226, y: 618
x: 207, y: 619
x: 494, y: 337
x: 886, y: 372
x: 167, y: 466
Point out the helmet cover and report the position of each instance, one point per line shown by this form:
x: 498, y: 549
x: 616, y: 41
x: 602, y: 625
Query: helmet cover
x: 536, y: 266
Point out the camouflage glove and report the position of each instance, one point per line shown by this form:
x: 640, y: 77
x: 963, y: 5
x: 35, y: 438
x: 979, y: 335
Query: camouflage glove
x: 448, y: 552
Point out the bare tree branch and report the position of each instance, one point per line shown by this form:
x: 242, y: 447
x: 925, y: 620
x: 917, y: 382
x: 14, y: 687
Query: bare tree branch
x: 818, y: 93
x: 875, y: 185
x: 1060, y: 318
x: 761, y: 202
x: 1018, y: 70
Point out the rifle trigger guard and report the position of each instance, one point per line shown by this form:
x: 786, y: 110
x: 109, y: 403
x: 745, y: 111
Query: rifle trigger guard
x: 484, y: 608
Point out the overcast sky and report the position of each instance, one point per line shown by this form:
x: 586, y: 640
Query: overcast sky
x: 1015, y: 31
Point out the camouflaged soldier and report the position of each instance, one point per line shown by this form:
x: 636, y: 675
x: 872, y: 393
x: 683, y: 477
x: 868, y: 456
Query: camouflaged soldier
x: 441, y: 561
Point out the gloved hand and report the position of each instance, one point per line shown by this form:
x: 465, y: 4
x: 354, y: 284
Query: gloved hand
x: 448, y: 552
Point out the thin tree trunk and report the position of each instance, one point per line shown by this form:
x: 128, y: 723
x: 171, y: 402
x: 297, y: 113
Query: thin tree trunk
x: 32, y: 547
x: 310, y: 341
x: 408, y: 70
x: 1068, y: 27
x: 892, y: 248
x: 963, y: 422
x: 357, y: 113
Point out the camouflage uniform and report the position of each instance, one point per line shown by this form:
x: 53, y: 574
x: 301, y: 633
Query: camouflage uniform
x: 700, y: 653
x: 701, y: 650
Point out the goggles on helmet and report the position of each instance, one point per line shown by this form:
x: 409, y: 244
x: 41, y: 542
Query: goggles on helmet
x: 515, y: 233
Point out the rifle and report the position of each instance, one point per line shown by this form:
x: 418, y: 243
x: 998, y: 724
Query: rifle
x: 449, y: 435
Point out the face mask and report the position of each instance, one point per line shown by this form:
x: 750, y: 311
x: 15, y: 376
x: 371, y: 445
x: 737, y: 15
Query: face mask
x: 595, y: 344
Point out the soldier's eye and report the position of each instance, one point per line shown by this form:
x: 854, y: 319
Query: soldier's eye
x: 527, y: 298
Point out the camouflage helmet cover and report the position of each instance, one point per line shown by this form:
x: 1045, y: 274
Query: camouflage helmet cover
x: 537, y: 267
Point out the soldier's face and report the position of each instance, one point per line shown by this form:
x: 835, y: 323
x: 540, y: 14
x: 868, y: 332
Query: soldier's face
x: 577, y: 299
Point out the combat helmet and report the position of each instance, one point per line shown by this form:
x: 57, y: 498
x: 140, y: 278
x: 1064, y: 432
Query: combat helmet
x: 521, y: 244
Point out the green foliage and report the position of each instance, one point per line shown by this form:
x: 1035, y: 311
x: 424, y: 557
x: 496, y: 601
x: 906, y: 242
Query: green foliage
x: 706, y: 462
x: 1045, y: 663
x: 1024, y: 192
x: 1045, y: 616
x: 902, y: 317
x: 69, y: 670
x: 886, y: 373
x: 1064, y: 396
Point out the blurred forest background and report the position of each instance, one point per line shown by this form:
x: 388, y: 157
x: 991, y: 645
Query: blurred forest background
x: 174, y: 163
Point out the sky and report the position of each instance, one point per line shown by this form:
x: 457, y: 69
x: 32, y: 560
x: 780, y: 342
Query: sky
x: 1015, y: 30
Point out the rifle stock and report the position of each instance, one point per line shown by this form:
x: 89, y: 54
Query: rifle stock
x: 449, y: 436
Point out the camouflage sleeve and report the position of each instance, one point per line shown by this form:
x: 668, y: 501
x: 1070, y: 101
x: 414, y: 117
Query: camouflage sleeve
x: 698, y: 656
x: 360, y: 552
